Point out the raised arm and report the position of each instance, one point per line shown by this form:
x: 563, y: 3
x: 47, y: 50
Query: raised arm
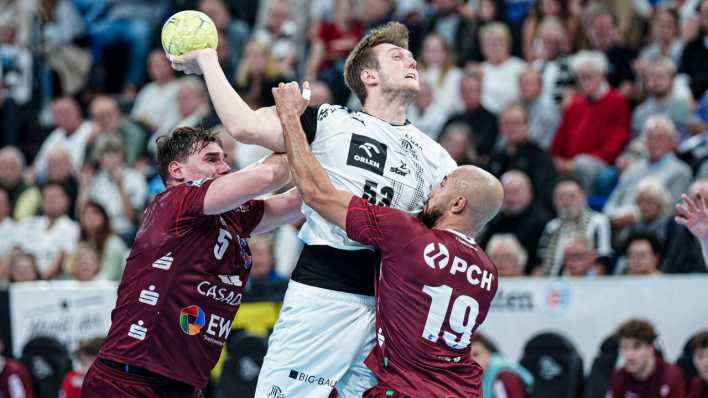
x: 258, y: 127
x: 310, y: 177
x: 230, y: 191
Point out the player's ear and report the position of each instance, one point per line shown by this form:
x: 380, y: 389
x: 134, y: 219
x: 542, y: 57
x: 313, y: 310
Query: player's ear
x: 459, y: 204
x: 176, y: 171
x: 369, y: 77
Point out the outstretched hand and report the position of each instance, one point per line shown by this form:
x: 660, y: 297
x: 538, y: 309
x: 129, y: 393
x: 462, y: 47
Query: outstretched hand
x: 289, y: 102
x: 693, y: 214
x: 189, y: 63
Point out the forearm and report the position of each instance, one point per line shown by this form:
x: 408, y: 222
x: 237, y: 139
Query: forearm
x: 259, y: 127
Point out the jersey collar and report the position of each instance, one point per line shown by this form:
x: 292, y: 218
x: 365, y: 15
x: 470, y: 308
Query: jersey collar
x: 406, y: 123
x: 462, y: 236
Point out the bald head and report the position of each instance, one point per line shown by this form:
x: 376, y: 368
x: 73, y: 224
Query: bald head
x: 467, y: 199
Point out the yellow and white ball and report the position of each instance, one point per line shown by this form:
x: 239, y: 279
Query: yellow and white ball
x: 188, y: 30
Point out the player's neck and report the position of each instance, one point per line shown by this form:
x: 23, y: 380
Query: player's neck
x: 391, y: 110
x: 455, y: 225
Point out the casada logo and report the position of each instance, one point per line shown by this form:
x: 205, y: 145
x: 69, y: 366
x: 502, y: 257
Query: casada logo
x: 436, y: 255
x: 192, y: 319
x: 275, y: 392
x: 558, y: 299
x: 367, y: 153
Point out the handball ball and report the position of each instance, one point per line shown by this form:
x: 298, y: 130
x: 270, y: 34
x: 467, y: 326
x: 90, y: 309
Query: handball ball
x: 188, y: 30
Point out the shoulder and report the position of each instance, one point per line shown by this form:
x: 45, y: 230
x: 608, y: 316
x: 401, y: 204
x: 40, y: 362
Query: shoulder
x: 326, y: 111
x: 672, y: 371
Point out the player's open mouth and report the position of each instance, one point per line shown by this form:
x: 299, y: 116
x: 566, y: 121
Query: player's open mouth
x: 411, y: 76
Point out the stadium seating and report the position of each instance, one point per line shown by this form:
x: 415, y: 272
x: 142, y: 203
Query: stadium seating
x: 602, y: 368
x: 48, y: 361
x: 555, y: 364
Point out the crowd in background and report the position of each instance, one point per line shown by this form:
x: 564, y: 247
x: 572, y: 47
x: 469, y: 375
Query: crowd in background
x: 593, y: 113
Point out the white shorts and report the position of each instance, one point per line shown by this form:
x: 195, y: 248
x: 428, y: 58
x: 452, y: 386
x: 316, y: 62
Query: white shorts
x: 320, y: 342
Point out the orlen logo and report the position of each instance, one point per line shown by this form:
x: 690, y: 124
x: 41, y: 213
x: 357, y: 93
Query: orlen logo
x: 436, y: 255
x: 191, y: 319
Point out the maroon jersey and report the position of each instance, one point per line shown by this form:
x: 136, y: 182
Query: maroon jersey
x: 665, y: 382
x: 434, y: 289
x: 182, y: 285
x: 509, y: 385
x: 698, y: 388
x: 15, y: 381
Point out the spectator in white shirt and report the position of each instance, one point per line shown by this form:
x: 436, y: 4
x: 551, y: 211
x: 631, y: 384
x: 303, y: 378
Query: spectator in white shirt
x: 71, y: 133
x: 121, y: 190
x: 500, y: 86
x: 51, y: 236
x: 156, y: 103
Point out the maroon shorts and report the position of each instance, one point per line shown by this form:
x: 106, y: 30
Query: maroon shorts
x: 102, y: 381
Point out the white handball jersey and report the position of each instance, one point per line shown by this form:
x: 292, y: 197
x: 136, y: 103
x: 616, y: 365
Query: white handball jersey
x: 386, y: 164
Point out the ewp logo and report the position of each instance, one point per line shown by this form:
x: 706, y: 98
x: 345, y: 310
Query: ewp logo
x: 436, y: 255
x: 558, y: 299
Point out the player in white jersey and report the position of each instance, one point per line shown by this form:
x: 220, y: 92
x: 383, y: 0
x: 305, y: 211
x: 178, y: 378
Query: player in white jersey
x: 326, y: 326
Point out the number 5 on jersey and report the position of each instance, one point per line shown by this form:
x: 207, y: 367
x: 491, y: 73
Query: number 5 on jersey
x: 222, y: 243
x: 462, y: 317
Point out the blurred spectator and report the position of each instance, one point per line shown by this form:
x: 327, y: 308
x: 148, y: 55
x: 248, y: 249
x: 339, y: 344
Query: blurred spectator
x: 683, y: 252
x: 653, y: 203
x: 376, y: 12
x: 108, y: 122
x: 601, y: 29
x: 192, y: 106
x: 23, y: 268
x: 84, y: 264
x: 507, y: 254
x: 520, y: 153
x: 71, y: 133
x: 502, y: 377
x: 660, y: 81
x: 15, y: 380
x: 699, y: 385
x: 8, y: 227
x: 96, y: 229
x: 51, y: 236
x: 121, y: 190
x: 67, y: 66
x: 15, y: 82
x: 643, y: 252
x: 262, y: 257
x: 554, y: 61
x: 278, y: 33
x: 331, y: 43
x: 234, y: 30
x: 458, y: 141
x: 156, y: 103
x: 321, y: 94
x: 439, y: 71
x: 574, y: 218
x: 457, y: 30
x: 257, y: 74
x: 85, y: 355
x: 500, y: 85
x: 60, y: 171
x: 579, y: 258
x: 665, y: 34
x: 519, y: 215
x: 532, y: 45
x: 481, y: 121
x: 426, y: 113
x: 123, y: 22
x: 661, y: 163
x: 23, y: 199
x: 543, y: 113
x: 595, y: 126
x: 693, y: 59
x: 645, y: 373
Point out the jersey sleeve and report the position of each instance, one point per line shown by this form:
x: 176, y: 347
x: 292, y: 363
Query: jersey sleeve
x: 379, y: 226
x: 308, y: 119
x: 246, y: 217
x: 188, y: 201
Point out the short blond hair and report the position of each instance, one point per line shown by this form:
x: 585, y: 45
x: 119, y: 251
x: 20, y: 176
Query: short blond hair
x: 363, y: 57
x: 495, y: 29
